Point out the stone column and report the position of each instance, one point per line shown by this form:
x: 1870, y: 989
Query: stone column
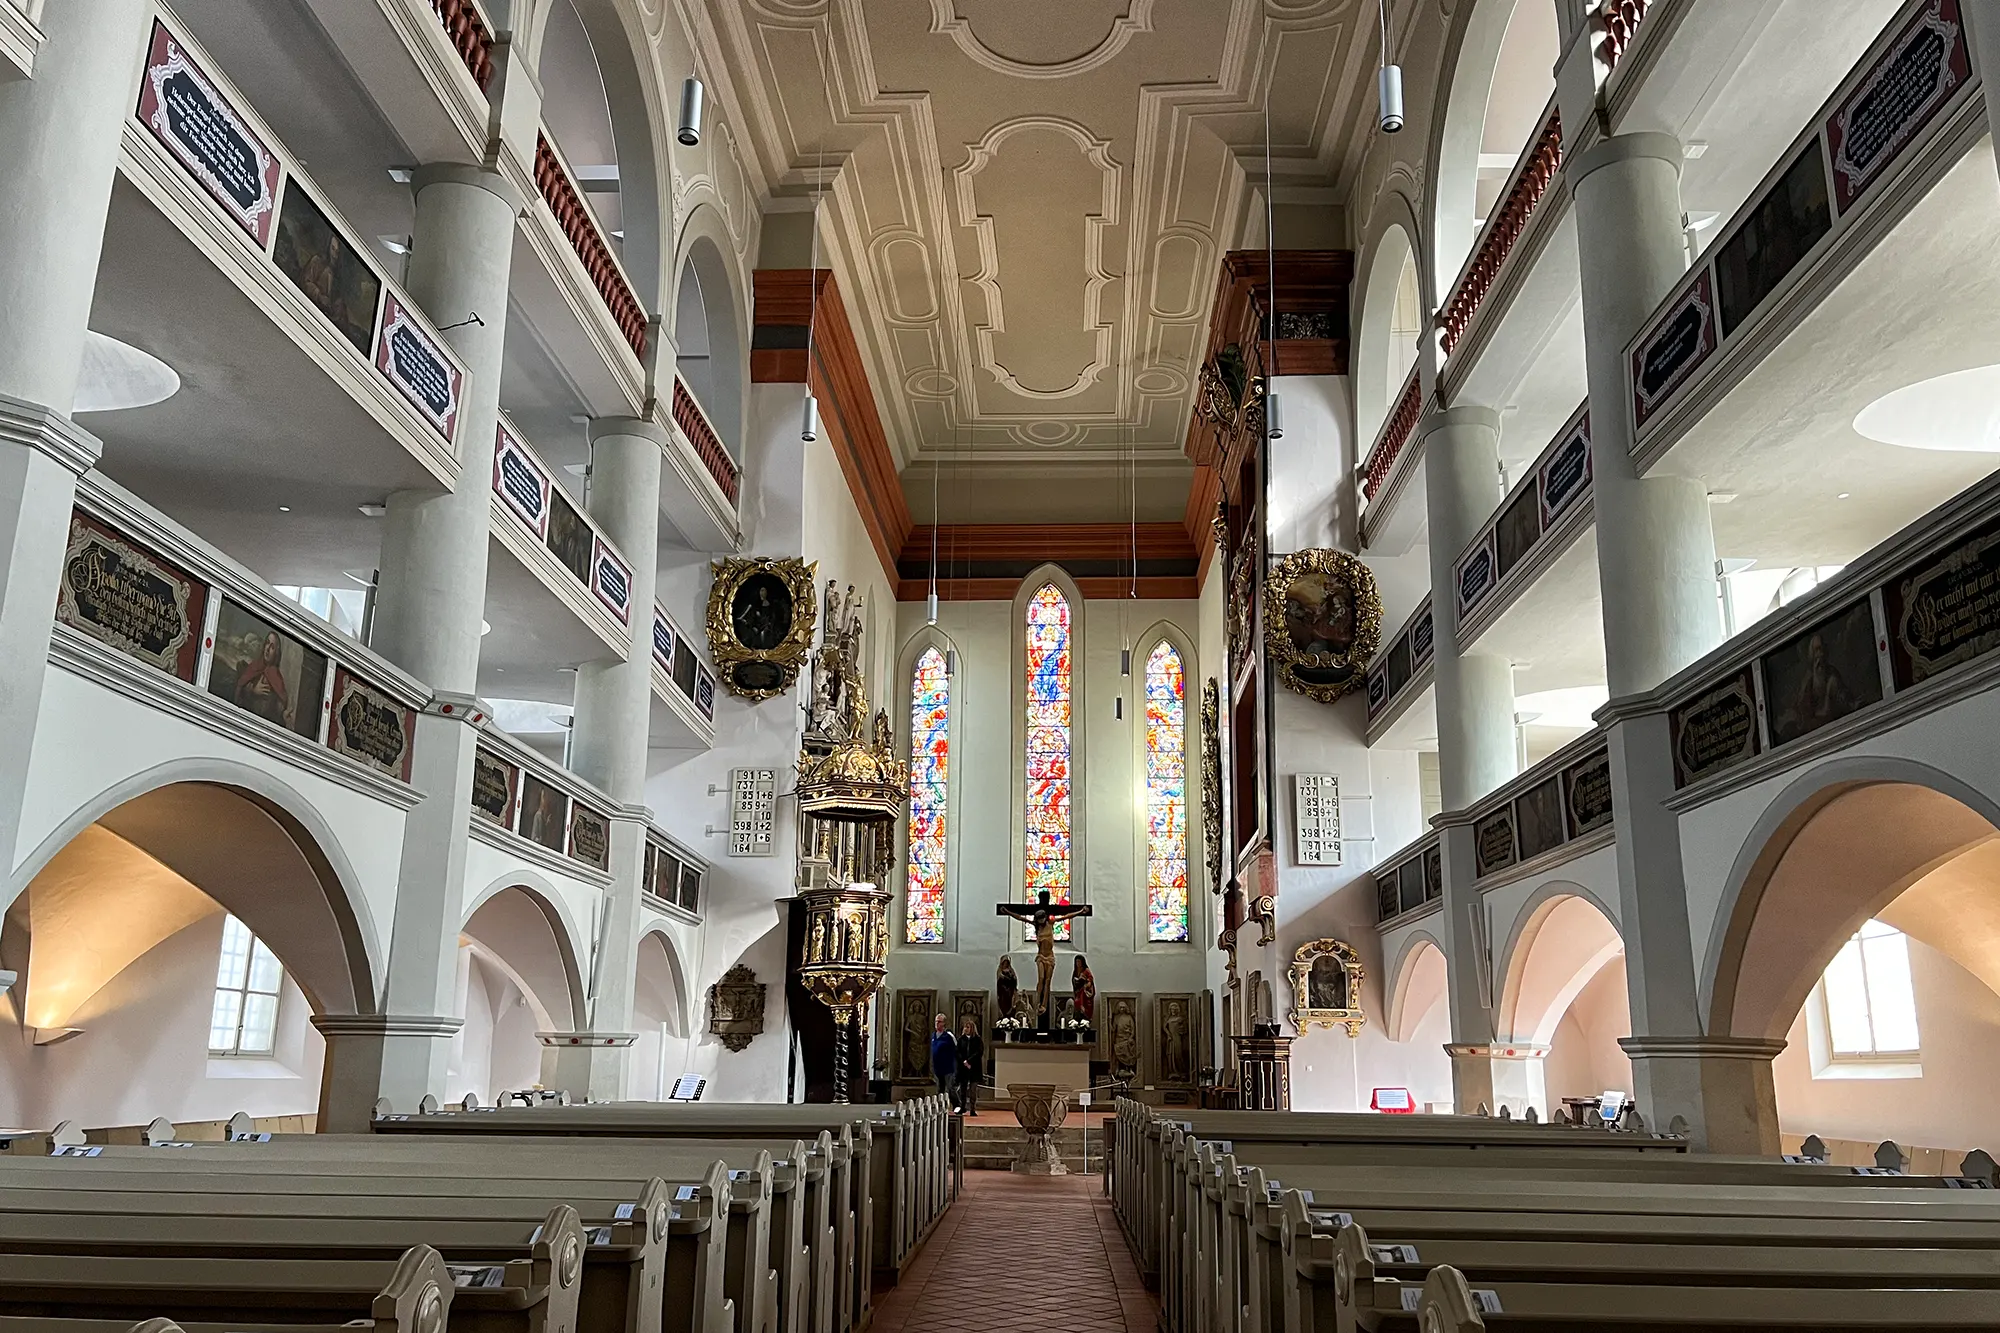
x: 1983, y: 31
x: 614, y: 702
x: 427, y: 621
x: 59, y: 134
x: 1475, y: 717
x: 1499, y: 1076
x: 1656, y: 570
x: 1726, y: 1081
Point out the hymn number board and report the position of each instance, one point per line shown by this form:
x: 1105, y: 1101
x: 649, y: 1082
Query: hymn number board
x: 1316, y: 818
x: 753, y: 811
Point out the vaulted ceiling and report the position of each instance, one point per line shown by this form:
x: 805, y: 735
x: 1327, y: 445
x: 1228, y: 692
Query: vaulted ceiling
x: 1027, y: 203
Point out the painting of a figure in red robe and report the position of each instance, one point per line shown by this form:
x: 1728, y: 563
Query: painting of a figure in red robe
x: 265, y: 671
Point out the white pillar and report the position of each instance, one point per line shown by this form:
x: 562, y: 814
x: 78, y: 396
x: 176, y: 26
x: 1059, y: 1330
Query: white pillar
x: 1655, y: 545
x: 614, y: 703
x: 59, y: 134
x: 1474, y: 692
x: 1656, y: 572
x: 427, y: 620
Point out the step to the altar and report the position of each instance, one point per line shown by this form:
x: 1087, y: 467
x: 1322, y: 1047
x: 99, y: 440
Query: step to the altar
x: 994, y: 1148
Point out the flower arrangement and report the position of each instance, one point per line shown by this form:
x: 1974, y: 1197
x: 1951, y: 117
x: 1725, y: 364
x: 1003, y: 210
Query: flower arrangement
x: 1076, y: 1025
x: 1013, y: 1024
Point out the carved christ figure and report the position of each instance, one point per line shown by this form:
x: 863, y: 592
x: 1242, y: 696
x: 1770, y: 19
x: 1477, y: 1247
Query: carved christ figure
x: 1043, y: 915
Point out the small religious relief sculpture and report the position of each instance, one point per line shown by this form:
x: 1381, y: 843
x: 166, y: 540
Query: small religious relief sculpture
x: 761, y: 614
x: 736, y: 1007
x: 1124, y: 1026
x: 1042, y: 916
x: 1326, y: 987
x: 1083, y: 987
x: 1006, y: 986
x: 1174, y: 1040
x: 1322, y: 623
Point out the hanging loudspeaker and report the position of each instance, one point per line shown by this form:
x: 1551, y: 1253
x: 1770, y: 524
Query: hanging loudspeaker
x: 809, y: 424
x: 690, y: 131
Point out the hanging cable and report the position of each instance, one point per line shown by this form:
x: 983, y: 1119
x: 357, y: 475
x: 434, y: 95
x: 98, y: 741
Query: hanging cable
x: 1273, y: 429
x: 1389, y: 83
x: 809, y: 423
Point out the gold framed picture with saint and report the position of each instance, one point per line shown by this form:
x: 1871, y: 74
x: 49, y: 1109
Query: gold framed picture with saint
x: 1322, y: 623
x: 1326, y: 987
x: 761, y: 616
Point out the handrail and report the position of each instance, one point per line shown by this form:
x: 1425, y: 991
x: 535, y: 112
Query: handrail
x: 525, y: 487
x: 1617, y: 21
x: 470, y: 35
x: 707, y: 444
x: 1396, y: 432
x: 1533, y: 174
x: 573, y: 216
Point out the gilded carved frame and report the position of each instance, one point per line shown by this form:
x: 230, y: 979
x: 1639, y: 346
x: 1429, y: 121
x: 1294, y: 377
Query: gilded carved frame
x: 751, y: 672
x: 1305, y: 1014
x: 1329, y: 673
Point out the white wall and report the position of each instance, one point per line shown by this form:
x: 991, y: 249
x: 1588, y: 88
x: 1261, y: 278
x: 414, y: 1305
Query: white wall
x: 143, y: 1051
x: 1584, y: 1057
x: 1956, y: 1104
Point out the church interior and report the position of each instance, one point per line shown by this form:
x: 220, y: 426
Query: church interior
x: 1063, y: 698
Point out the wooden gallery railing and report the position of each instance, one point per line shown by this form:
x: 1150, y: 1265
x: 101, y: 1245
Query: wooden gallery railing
x: 694, y: 424
x: 1395, y: 435
x: 466, y: 27
x: 1617, y: 20
x: 577, y: 223
x: 1533, y: 177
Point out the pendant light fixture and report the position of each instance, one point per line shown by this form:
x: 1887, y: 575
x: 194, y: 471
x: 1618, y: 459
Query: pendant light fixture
x: 690, y: 127
x: 931, y: 616
x: 1389, y: 83
x: 809, y: 415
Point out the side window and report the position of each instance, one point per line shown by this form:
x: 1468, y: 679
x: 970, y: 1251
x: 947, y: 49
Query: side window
x: 247, y: 980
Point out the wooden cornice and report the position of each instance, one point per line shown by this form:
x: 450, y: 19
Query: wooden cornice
x: 987, y: 561
x: 839, y: 380
x: 1204, y: 492
x: 1313, y: 294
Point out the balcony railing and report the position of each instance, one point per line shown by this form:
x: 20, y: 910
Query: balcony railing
x: 1409, y: 879
x: 1563, y: 800
x: 1395, y: 435
x: 1532, y: 177
x: 517, y: 790
x: 467, y: 30
x: 525, y: 487
x: 565, y: 201
x: 1398, y: 665
x: 1617, y: 21
x: 694, y: 424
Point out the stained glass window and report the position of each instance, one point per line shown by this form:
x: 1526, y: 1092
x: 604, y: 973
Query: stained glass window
x: 1048, y: 794
x: 930, y: 749
x: 1166, y: 796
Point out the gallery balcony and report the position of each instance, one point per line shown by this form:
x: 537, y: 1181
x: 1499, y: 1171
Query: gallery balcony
x: 20, y: 37
x: 531, y: 814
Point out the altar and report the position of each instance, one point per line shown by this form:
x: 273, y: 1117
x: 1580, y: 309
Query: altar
x: 1037, y: 1062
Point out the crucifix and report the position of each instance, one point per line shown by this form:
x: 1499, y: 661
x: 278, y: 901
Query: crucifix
x: 1043, y: 915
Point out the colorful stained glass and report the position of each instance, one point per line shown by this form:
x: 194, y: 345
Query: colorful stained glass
x: 1166, y: 796
x: 1047, y: 799
x: 930, y: 750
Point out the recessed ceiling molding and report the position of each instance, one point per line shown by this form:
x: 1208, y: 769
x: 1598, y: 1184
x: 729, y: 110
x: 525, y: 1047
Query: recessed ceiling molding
x: 1136, y: 18
x: 1098, y: 153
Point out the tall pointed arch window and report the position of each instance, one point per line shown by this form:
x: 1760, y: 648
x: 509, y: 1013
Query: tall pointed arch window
x: 1048, y: 797
x: 1166, y: 796
x: 930, y: 754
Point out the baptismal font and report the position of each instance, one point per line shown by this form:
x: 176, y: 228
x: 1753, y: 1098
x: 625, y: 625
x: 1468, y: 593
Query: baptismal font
x: 851, y: 790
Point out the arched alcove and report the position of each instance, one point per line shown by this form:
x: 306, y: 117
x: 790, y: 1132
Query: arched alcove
x: 1392, y: 318
x: 117, y: 939
x: 1564, y: 988
x: 1502, y: 76
x: 1912, y: 854
x: 660, y: 1019
x: 518, y: 976
x: 599, y: 103
x: 708, y: 333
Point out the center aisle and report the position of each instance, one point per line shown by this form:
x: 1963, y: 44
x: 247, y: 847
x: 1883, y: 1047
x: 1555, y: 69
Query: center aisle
x: 1022, y: 1252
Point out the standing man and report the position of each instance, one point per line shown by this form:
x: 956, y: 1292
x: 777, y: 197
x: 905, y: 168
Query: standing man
x: 971, y: 1066
x: 944, y: 1056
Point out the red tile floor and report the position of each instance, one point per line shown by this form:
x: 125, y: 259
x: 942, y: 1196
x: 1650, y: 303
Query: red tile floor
x: 1062, y: 1264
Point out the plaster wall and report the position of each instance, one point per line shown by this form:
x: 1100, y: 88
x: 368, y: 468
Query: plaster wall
x: 1955, y: 1104
x: 1584, y: 1057
x: 143, y: 1049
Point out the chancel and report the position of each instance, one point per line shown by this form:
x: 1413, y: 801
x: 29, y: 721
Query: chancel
x: 1200, y: 666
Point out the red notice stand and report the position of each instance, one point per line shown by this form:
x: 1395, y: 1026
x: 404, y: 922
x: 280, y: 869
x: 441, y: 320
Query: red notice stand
x: 1393, y: 1101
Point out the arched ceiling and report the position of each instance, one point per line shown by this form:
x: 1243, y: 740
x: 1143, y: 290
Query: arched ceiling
x: 1029, y: 204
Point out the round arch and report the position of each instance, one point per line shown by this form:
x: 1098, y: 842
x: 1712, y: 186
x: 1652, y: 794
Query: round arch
x: 1414, y: 983
x: 1380, y: 365
x: 1840, y: 843
x: 676, y: 974
x: 601, y: 93
x: 710, y: 345
x: 1563, y: 936
x: 521, y: 920
x: 279, y: 867
x: 1042, y: 576
x: 1496, y: 49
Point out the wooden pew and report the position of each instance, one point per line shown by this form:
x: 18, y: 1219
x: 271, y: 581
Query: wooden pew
x: 1447, y: 1303
x: 683, y: 1226
x: 773, y: 1238
x: 416, y: 1293
x: 1325, y: 1291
